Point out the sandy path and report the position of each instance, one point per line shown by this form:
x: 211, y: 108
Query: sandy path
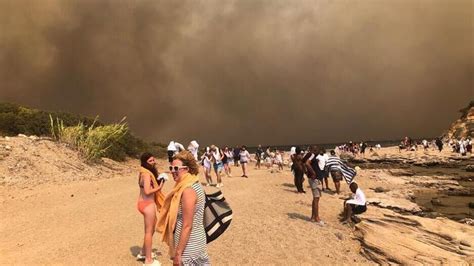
x: 100, y: 225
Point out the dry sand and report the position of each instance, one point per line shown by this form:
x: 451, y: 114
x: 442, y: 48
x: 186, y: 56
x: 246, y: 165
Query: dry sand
x: 94, y: 220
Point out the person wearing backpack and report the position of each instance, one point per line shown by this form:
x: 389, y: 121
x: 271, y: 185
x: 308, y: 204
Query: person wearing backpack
x: 311, y: 164
x: 181, y: 219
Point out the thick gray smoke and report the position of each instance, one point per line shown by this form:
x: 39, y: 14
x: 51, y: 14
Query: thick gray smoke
x: 244, y: 72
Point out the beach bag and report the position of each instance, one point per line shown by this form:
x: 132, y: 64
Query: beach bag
x: 217, y: 215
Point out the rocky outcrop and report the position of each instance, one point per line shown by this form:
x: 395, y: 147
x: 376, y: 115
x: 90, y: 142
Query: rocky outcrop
x: 470, y: 168
x: 464, y: 126
x: 405, y: 159
x: 417, y: 240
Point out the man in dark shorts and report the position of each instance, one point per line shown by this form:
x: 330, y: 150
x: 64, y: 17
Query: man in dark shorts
x: 336, y: 178
x: 311, y: 164
x: 321, y: 173
x: 356, y: 205
x: 258, y: 156
x: 336, y: 175
x: 298, y: 169
x: 236, y: 156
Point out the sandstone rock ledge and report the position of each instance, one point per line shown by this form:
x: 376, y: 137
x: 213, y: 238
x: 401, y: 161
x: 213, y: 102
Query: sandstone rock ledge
x: 388, y: 237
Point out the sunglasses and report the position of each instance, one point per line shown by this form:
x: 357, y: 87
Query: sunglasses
x: 176, y: 168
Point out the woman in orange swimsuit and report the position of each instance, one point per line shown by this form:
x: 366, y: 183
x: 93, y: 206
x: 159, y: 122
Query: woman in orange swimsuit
x: 146, y: 203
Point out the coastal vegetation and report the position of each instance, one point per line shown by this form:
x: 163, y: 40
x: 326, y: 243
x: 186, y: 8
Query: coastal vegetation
x: 464, y: 126
x: 91, y: 137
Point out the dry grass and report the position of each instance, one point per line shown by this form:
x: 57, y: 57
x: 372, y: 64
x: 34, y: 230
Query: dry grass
x: 92, y: 142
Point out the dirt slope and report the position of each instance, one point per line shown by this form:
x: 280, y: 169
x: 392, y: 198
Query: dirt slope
x: 28, y: 161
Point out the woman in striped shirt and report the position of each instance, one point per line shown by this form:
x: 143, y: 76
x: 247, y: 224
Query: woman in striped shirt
x: 181, y: 218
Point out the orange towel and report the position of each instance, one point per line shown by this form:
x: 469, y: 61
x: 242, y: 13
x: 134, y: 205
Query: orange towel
x: 159, y: 196
x: 169, y: 211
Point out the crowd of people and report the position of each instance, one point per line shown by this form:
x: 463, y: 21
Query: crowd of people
x: 356, y: 148
x: 218, y: 162
x: 181, y: 211
x: 313, y: 162
x: 316, y: 164
x: 462, y: 146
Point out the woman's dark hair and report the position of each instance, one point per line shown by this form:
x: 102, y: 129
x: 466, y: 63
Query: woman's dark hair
x: 143, y: 162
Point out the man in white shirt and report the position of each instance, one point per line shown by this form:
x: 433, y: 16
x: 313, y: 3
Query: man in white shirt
x: 425, y: 144
x: 322, y: 159
x: 356, y: 205
x: 193, y: 147
x: 179, y: 147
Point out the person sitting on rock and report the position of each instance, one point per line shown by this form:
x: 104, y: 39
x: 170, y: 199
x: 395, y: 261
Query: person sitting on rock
x: 356, y: 205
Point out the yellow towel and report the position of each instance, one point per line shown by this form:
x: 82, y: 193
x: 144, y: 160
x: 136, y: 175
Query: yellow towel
x: 169, y: 212
x: 159, y: 196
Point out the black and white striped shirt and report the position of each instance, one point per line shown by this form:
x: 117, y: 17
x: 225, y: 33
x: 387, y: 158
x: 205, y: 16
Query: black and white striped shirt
x: 336, y: 164
x: 195, y: 252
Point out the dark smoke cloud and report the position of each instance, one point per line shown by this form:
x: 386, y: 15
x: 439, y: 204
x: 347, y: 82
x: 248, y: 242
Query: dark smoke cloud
x: 248, y: 72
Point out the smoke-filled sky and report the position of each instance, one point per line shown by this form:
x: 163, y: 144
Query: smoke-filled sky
x: 244, y: 72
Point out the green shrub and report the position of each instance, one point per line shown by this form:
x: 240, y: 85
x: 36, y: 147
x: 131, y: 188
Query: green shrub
x: 92, y: 142
x: 7, y: 124
x: 73, y: 135
x: 83, y: 133
x: 465, y: 111
x: 97, y: 141
x: 15, y: 119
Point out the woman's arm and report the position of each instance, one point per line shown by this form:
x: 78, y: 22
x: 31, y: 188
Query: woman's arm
x: 146, y: 184
x: 188, y: 204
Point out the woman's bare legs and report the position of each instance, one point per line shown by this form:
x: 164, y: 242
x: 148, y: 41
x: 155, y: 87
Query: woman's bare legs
x: 337, y: 184
x: 244, y: 169
x: 207, y: 172
x: 149, y: 214
x: 227, y: 169
x: 218, y: 174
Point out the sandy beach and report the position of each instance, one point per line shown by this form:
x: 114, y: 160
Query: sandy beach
x: 93, y: 219
x: 93, y: 92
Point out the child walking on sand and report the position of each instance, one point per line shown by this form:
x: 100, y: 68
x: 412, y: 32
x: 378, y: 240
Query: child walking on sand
x: 244, y: 159
x: 207, y: 164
